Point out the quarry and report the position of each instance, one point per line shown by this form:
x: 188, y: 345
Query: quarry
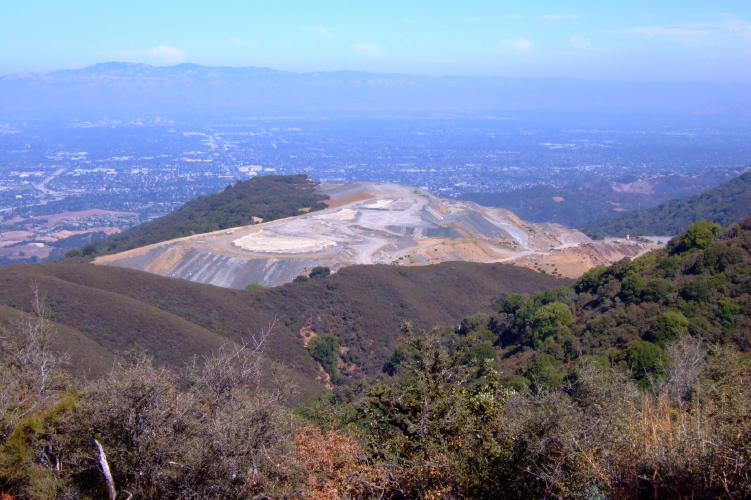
x: 375, y: 223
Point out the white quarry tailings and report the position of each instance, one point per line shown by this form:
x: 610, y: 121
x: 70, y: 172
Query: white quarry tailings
x: 268, y: 242
x: 372, y: 223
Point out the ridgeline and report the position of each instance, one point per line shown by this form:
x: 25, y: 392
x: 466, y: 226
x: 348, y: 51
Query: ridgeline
x: 268, y: 198
x: 103, y: 312
x: 600, y: 199
x: 724, y: 204
x: 699, y: 285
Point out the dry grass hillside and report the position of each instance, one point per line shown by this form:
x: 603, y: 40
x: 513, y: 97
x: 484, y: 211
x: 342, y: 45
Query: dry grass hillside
x: 102, y: 312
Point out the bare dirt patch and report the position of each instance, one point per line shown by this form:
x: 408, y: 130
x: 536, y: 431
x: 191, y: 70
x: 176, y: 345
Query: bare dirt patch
x: 38, y: 250
x: 343, y: 215
x: 307, y: 334
x: 346, y: 200
x: 14, y: 220
x: 572, y: 262
x: 55, y: 218
x: 66, y: 233
x: 459, y: 250
x: 15, y: 235
x: 167, y: 261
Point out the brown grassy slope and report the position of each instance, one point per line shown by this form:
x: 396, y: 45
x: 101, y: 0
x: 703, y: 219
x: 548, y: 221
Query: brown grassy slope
x: 121, y: 311
x: 175, y: 319
x: 86, y: 358
x: 366, y: 305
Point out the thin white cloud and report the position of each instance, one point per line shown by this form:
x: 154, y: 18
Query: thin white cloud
x: 741, y: 28
x: 369, y: 49
x: 515, y: 16
x: 694, y: 34
x: 679, y: 32
x: 323, y: 32
x: 557, y: 17
x: 162, y: 54
x: 580, y: 42
x: 518, y: 44
x: 720, y: 30
x: 472, y: 20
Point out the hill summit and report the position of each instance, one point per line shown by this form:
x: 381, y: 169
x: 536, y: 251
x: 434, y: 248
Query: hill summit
x: 373, y: 223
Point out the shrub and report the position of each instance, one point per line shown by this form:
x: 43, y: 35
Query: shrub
x: 646, y: 359
x: 319, y: 272
x: 215, y: 431
x: 544, y: 370
x: 472, y: 323
x: 551, y: 319
x: 667, y: 327
x: 325, y: 349
x: 698, y: 236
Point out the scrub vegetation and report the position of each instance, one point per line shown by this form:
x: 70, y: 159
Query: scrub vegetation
x: 634, y: 382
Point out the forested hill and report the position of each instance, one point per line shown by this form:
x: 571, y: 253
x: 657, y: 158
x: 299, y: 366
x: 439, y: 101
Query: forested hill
x: 726, y: 203
x: 593, y: 200
x: 542, y: 399
x: 627, y: 313
x: 268, y: 197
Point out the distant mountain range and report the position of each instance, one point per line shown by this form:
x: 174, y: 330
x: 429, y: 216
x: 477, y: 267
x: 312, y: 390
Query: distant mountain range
x: 191, y: 88
x: 724, y: 204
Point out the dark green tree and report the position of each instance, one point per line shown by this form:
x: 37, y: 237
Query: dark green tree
x: 325, y: 349
x: 319, y: 272
x: 668, y: 327
x: 698, y: 236
x: 549, y: 320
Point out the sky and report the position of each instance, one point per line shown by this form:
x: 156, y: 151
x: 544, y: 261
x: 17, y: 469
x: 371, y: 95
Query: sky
x: 634, y: 41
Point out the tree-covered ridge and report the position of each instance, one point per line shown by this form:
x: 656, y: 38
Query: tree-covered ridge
x: 268, y: 197
x: 626, y: 314
x: 598, y: 199
x: 724, y: 204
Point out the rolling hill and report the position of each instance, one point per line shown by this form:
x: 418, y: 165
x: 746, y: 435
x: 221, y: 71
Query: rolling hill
x: 102, y: 312
x: 580, y: 204
x: 373, y: 223
x: 257, y: 199
x: 726, y: 203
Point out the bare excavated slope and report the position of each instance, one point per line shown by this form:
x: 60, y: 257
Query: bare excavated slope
x: 371, y: 223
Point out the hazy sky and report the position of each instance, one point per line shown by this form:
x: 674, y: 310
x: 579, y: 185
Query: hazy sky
x: 656, y: 40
